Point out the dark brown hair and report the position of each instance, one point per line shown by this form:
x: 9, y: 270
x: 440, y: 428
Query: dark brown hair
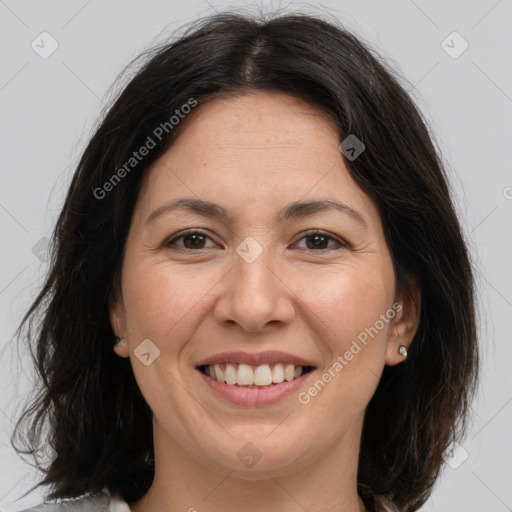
x: 98, y: 422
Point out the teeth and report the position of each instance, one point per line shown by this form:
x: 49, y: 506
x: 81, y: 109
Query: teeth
x: 289, y: 372
x: 217, y: 373
x: 245, y: 375
x: 263, y: 375
x: 230, y: 374
x: 278, y: 373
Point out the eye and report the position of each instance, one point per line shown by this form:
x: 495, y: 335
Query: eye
x: 318, y: 240
x: 192, y: 239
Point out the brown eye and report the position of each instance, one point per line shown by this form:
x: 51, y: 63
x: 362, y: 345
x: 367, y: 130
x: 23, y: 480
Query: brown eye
x: 318, y: 240
x: 191, y: 240
x: 195, y: 240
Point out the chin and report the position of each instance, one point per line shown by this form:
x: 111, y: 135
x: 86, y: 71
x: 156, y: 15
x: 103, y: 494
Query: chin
x: 253, y: 457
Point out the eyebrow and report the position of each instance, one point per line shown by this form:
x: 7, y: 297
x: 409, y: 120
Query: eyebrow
x: 296, y: 210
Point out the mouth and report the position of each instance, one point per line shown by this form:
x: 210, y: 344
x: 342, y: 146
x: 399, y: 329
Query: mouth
x: 254, y: 379
x: 249, y: 376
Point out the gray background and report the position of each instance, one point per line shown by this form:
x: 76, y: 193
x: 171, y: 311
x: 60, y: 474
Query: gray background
x: 49, y: 106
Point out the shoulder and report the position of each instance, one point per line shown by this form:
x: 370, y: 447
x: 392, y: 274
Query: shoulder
x: 102, y: 502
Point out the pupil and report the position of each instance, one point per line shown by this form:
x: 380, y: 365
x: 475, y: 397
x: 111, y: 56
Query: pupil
x: 316, y: 238
x: 194, y: 236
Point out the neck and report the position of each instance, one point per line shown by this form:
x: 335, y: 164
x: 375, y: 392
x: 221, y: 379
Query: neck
x: 326, y: 483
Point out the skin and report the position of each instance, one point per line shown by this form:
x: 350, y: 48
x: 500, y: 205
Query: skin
x: 253, y: 155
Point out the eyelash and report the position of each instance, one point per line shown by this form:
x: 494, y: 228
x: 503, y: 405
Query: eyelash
x: 308, y: 234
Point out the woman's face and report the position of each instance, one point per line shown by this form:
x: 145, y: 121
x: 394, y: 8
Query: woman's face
x: 255, y: 292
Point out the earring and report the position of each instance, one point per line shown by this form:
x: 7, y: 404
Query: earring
x: 118, y: 341
x: 402, y: 351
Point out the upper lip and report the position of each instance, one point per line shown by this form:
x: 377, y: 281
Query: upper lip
x: 255, y: 359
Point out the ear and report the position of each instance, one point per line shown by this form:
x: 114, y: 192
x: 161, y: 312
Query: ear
x: 406, y: 322
x: 117, y: 318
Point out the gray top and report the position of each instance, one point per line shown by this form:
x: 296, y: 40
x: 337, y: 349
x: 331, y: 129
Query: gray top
x: 101, y: 502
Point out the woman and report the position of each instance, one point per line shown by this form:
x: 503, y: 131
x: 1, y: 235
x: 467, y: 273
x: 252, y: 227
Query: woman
x: 259, y: 296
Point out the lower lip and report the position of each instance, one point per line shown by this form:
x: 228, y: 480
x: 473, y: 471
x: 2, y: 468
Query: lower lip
x: 239, y: 395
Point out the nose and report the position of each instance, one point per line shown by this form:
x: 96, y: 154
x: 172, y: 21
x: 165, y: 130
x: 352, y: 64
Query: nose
x: 254, y: 295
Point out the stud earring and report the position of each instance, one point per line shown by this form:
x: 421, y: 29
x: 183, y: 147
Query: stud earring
x: 403, y: 351
x: 118, y: 341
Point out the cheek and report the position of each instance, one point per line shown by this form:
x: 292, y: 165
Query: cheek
x: 350, y: 296
x: 163, y: 303
x: 163, y: 299
x: 347, y: 302
x: 346, y: 308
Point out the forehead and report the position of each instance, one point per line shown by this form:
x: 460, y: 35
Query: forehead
x: 253, y: 129
x: 261, y: 148
x: 269, y: 116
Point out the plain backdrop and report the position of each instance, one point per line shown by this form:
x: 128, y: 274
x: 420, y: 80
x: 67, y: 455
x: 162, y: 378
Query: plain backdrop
x: 462, y: 81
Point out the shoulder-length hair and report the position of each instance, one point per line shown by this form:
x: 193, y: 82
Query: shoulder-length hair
x: 99, y: 424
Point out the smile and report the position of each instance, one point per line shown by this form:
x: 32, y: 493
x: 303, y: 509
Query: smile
x: 251, y: 376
